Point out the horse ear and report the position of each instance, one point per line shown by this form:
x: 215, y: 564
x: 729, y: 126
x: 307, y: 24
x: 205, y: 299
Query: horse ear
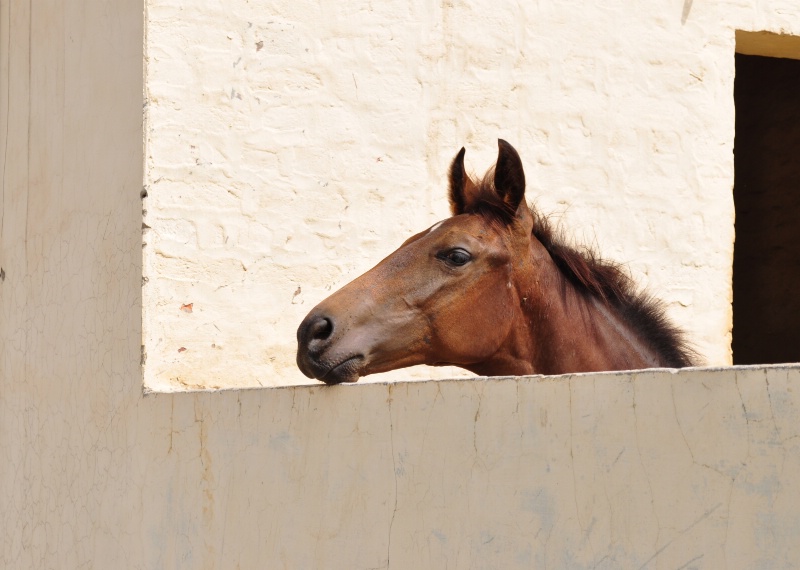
x: 458, y: 184
x: 509, y: 177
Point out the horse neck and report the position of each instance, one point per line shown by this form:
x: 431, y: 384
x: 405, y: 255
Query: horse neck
x: 570, y: 330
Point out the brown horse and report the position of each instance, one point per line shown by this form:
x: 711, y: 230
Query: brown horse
x: 493, y: 289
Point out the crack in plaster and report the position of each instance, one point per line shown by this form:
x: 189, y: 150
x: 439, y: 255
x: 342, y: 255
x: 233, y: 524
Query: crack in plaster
x: 775, y: 427
x: 702, y: 517
x: 777, y: 438
x: 695, y: 559
x: 394, y: 474
x: 686, y: 441
x: 572, y: 460
x: 747, y: 424
x: 730, y: 478
x: 641, y: 460
x: 171, y: 424
x: 430, y: 415
x: 479, y: 393
x: 516, y: 411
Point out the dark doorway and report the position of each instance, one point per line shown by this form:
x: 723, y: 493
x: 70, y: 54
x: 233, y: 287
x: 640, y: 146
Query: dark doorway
x: 766, y: 259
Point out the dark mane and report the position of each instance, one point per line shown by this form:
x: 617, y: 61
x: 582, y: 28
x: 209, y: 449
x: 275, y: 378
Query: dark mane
x: 592, y: 275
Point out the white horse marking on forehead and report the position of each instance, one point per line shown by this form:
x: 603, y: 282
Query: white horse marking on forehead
x: 435, y: 227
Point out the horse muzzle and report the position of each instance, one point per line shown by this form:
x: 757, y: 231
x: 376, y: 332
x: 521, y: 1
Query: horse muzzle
x: 317, y: 354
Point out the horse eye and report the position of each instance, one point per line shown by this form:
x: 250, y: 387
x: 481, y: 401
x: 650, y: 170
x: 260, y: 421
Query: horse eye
x: 457, y: 257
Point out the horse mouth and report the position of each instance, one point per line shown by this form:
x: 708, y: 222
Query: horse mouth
x: 346, y: 371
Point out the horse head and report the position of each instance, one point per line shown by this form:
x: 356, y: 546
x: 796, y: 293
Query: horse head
x: 493, y: 289
x: 447, y: 296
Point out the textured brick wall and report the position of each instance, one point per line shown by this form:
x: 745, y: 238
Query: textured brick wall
x: 291, y: 145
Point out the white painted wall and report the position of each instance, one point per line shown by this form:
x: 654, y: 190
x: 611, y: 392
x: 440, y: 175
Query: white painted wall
x: 654, y: 469
x: 292, y: 145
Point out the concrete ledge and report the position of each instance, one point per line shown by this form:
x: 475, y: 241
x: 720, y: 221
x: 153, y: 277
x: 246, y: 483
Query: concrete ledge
x: 658, y: 469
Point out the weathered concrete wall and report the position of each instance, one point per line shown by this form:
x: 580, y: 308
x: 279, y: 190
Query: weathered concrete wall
x: 291, y: 146
x: 651, y: 470
x: 72, y: 495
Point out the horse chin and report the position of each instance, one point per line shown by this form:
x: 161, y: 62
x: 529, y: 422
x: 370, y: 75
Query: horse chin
x: 347, y: 371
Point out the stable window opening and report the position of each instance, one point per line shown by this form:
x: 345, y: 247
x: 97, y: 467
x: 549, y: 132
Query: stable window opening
x: 766, y: 261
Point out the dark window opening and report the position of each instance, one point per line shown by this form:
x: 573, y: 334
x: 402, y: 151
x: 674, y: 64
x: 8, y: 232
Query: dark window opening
x: 766, y: 259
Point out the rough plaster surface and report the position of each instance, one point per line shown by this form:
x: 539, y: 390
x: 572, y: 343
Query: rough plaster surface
x: 290, y: 146
x: 645, y: 470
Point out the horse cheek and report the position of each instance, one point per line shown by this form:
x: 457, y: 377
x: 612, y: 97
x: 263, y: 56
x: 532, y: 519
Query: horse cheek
x: 475, y: 324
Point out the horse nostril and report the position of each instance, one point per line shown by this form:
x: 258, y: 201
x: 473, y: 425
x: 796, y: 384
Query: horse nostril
x: 314, y: 335
x: 320, y: 329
